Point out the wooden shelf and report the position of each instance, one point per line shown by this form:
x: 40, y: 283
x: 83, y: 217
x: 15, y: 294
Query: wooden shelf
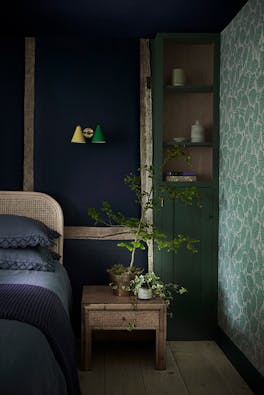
x: 187, y: 144
x: 189, y: 88
x: 198, y: 184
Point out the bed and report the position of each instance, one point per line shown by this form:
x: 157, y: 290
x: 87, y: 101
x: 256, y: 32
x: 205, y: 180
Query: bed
x: 37, y: 350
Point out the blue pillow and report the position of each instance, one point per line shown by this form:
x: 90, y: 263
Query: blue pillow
x: 18, y: 231
x: 37, y: 258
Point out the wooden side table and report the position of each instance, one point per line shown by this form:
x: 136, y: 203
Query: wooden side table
x: 105, y: 311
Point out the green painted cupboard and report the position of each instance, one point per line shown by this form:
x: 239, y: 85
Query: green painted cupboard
x: 185, y: 89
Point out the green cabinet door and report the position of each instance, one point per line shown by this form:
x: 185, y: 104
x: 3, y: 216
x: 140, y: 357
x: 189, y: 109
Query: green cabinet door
x: 194, y: 313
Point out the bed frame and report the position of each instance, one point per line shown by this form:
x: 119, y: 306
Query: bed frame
x: 35, y: 205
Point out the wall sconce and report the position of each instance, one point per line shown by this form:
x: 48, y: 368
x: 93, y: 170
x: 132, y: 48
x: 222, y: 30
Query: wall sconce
x: 80, y: 136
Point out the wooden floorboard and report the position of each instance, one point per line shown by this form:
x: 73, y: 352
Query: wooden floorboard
x: 193, y: 368
x: 226, y: 369
x: 159, y: 382
x: 122, y: 371
x: 198, y: 372
x: 93, y: 381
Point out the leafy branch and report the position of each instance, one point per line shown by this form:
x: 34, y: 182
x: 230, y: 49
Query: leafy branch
x: 142, y: 230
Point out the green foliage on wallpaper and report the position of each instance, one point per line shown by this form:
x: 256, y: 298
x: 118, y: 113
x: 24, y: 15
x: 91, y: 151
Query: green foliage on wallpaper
x: 241, y: 227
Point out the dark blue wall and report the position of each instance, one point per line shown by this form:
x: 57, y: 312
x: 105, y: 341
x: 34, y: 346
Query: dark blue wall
x: 86, y: 82
x: 11, y: 112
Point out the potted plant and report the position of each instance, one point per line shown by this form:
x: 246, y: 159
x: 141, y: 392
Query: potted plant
x: 149, y: 285
x: 120, y: 277
x: 142, y: 229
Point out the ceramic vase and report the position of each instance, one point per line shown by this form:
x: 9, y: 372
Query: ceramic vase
x: 178, y: 77
x: 197, y: 133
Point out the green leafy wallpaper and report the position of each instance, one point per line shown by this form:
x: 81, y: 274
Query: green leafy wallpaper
x: 241, y: 227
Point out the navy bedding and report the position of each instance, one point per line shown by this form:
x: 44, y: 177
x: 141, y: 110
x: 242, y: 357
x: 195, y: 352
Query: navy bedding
x: 28, y: 364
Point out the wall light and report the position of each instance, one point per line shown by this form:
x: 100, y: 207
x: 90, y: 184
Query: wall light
x: 80, y: 136
x: 98, y: 136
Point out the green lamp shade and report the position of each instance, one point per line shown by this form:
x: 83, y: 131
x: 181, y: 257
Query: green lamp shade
x: 78, y: 136
x: 98, y: 136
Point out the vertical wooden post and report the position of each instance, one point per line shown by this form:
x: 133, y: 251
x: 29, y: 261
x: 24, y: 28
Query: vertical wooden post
x: 161, y: 336
x: 146, y: 150
x: 29, y: 99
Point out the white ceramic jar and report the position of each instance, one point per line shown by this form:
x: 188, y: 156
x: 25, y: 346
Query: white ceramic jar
x: 144, y: 293
x: 178, y: 77
x: 197, y: 133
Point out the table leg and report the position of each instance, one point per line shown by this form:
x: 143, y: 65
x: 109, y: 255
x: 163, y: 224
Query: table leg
x: 161, y: 341
x: 86, y: 343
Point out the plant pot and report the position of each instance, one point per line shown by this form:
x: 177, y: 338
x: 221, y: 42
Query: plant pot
x: 144, y: 293
x: 121, y: 282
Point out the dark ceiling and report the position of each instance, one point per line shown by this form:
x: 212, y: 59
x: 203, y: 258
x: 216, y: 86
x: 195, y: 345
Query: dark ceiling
x: 121, y: 18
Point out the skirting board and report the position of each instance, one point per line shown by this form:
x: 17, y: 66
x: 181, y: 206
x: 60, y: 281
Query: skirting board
x: 244, y: 367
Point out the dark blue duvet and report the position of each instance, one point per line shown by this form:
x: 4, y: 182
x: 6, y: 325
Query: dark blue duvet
x: 28, y: 365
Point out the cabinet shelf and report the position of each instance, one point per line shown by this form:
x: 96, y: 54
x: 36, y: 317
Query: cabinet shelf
x: 187, y: 144
x: 190, y: 88
x: 198, y: 184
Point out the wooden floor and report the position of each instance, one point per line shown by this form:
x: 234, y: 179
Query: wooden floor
x: 193, y: 367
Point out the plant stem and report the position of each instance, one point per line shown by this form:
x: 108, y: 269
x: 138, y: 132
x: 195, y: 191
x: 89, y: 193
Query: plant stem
x: 132, y: 257
x: 134, y: 249
x: 144, y: 209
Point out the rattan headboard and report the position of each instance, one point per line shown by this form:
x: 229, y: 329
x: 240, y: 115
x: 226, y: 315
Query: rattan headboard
x: 38, y: 206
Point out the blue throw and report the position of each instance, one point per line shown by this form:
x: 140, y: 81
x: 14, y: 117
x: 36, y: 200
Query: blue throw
x: 42, y: 308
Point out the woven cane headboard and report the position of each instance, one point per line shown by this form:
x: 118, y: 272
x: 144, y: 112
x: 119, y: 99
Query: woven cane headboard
x: 38, y: 206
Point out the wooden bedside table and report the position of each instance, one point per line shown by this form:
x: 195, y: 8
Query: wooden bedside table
x: 105, y: 311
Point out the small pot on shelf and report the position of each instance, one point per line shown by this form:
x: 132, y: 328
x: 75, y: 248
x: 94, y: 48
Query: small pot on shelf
x: 144, y: 293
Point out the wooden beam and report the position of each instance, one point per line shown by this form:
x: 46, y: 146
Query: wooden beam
x: 146, y: 146
x: 97, y: 233
x: 29, y: 102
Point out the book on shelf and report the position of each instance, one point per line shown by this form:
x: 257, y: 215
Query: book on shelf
x: 173, y: 178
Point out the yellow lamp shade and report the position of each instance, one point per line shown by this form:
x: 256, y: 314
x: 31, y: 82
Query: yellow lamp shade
x: 78, y: 136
